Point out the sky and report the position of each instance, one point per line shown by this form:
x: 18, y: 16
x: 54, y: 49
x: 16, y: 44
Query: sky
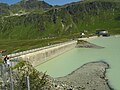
x: 52, y: 2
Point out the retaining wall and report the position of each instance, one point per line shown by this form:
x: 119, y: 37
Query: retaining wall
x: 42, y: 55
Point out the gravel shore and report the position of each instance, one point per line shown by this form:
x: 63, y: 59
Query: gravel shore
x: 90, y: 76
x: 86, y: 44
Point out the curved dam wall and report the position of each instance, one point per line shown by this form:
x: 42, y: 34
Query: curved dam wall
x: 45, y: 54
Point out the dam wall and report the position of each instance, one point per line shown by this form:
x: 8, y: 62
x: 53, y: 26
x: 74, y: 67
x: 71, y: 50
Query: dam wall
x: 44, y: 54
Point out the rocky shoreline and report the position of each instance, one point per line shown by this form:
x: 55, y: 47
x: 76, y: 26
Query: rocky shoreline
x: 86, y: 44
x: 90, y: 76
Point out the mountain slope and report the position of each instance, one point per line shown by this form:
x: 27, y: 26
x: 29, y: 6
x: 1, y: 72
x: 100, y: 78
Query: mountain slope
x: 29, y: 5
x: 96, y: 15
x: 67, y: 20
x: 24, y: 6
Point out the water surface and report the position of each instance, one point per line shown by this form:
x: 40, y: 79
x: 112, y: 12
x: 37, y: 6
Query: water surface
x: 71, y: 60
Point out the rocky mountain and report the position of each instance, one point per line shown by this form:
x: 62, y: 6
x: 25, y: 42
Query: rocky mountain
x: 29, y: 5
x: 57, y: 21
x: 24, y: 6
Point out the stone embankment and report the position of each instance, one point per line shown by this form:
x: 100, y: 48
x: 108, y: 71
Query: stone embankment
x: 90, y: 76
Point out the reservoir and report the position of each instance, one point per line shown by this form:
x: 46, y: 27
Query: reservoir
x: 64, y: 64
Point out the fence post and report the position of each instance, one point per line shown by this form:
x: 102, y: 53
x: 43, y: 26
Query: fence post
x: 28, y: 82
x: 11, y: 80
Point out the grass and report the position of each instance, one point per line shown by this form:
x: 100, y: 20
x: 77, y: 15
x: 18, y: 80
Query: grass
x: 13, y: 46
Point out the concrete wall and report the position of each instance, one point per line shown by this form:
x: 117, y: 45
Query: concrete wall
x: 42, y: 55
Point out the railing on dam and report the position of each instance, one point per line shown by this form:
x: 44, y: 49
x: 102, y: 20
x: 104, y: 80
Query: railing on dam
x: 15, y: 55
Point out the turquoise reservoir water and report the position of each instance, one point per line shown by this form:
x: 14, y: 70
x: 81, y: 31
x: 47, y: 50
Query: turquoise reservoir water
x: 71, y: 60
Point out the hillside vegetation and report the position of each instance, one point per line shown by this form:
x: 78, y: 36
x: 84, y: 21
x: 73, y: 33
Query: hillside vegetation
x: 33, y: 19
x: 71, y: 18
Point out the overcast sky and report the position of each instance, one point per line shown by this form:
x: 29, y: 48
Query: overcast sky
x: 52, y: 2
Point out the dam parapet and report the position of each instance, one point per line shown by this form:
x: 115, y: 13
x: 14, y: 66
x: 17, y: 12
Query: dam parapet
x: 41, y: 55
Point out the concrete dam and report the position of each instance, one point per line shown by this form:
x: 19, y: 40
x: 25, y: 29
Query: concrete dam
x: 41, y: 55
